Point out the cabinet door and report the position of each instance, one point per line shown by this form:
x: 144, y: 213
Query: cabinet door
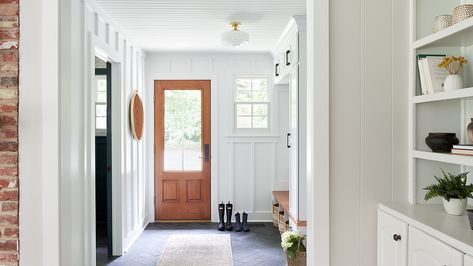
x: 392, y: 240
x: 425, y: 250
x: 294, y: 50
x: 293, y: 145
x: 468, y: 260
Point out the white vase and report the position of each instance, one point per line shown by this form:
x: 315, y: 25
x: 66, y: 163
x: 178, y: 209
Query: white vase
x: 453, y: 82
x: 455, y: 206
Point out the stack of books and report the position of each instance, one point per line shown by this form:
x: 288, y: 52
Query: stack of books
x: 463, y: 149
x: 430, y: 75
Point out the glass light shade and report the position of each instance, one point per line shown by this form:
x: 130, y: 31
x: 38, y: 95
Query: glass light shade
x: 235, y: 38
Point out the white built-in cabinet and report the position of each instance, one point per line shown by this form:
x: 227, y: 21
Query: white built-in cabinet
x: 392, y: 241
x: 290, y: 69
x: 426, y: 250
x: 422, y: 235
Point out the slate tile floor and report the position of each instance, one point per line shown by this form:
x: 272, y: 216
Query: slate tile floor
x: 260, y: 246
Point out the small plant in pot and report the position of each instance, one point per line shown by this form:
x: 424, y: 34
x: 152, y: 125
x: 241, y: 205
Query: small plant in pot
x: 292, y: 243
x: 454, y: 191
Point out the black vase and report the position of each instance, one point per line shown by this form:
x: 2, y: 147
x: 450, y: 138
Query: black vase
x: 441, y: 142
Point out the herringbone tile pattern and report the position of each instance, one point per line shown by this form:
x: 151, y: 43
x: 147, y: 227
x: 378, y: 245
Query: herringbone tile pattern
x: 260, y: 246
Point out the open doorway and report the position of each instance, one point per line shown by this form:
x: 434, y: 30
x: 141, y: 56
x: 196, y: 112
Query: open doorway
x: 103, y: 159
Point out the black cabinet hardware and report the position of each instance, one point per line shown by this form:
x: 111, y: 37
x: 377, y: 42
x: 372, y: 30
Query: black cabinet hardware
x: 287, y: 57
x: 396, y: 237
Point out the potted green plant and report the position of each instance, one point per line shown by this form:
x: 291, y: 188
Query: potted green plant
x: 454, y: 191
x: 292, y: 243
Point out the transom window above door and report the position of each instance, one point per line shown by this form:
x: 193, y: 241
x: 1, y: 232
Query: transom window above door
x: 252, y: 103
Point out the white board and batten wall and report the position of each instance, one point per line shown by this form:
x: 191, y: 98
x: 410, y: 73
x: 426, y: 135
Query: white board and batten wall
x: 247, y: 166
x: 128, y: 72
x: 85, y: 35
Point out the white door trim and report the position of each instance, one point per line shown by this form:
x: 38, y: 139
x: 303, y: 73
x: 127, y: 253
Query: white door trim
x: 318, y: 149
x: 98, y: 48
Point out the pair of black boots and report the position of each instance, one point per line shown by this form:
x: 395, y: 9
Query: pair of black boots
x: 239, y: 226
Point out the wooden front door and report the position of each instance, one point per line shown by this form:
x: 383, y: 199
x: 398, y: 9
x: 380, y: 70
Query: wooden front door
x: 182, y: 151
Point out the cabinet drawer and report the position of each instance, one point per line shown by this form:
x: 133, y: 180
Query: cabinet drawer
x: 425, y: 250
x: 294, y: 48
x: 392, y: 240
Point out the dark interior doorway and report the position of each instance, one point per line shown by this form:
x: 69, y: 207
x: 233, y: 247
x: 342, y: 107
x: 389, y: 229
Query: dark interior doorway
x: 103, y: 159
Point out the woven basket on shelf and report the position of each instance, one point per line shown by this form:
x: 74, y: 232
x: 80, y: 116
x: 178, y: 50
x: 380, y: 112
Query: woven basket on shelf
x: 299, y: 259
x: 276, y: 214
x: 462, y: 12
x: 282, y: 222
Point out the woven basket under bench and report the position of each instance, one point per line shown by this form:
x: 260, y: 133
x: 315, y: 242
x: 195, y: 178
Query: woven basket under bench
x: 276, y: 214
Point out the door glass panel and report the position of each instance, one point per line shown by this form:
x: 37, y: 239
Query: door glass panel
x: 182, y: 130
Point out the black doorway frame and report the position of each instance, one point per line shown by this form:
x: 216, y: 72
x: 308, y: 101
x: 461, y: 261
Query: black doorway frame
x: 108, y: 73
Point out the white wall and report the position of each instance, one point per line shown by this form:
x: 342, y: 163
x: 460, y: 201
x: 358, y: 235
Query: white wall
x: 368, y: 125
x: 82, y: 35
x: 245, y: 168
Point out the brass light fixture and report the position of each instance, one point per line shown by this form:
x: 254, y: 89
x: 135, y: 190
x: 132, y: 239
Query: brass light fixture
x: 235, y: 37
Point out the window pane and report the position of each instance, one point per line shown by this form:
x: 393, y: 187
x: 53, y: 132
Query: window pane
x: 260, y: 96
x: 101, y: 123
x: 101, y: 83
x: 260, y: 84
x: 182, y: 130
x: 101, y: 110
x: 243, y: 109
x: 260, y: 109
x: 243, y: 96
x: 243, y: 84
x: 243, y: 122
x: 101, y: 97
x: 260, y: 122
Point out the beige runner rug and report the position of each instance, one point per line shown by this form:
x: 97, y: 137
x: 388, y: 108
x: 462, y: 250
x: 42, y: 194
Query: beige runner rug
x: 197, y: 250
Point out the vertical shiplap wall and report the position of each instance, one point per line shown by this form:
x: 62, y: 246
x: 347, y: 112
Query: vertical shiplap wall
x: 128, y: 63
x: 245, y: 168
x: 368, y: 121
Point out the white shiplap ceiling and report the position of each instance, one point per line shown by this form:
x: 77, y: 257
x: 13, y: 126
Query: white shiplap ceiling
x: 196, y: 25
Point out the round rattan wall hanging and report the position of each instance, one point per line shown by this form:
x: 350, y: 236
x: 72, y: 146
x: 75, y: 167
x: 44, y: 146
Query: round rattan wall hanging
x: 136, y: 116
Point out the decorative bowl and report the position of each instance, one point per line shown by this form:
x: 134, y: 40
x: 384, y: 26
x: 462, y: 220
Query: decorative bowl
x: 441, y: 142
x: 442, y: 22
x: 462, y: 12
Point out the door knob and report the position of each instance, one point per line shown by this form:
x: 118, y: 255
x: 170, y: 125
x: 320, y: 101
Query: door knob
x: 396, y: 237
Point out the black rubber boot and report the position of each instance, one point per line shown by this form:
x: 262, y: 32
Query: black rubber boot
x: 237, y: 222
x: 229, y: 208
x: 221, y: 215
x: 245, y: 226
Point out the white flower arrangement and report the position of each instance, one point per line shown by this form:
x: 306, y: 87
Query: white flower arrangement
x: 290, y: 241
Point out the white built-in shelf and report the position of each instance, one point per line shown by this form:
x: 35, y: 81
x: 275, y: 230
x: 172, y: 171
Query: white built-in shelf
x: 444, y: 157
x: 458, y: 35
x: 442, y: 96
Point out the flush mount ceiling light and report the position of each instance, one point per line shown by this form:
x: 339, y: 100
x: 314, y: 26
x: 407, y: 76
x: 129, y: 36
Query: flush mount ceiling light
x: 235, y: 37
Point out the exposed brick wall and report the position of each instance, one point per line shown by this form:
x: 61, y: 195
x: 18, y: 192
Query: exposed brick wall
x: 9, y: 64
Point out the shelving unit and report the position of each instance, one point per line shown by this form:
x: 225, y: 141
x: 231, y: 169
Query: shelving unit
x: 444, y: 157
x: 442, y: 96
x: 448, y: 111
x: 460, y: 34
